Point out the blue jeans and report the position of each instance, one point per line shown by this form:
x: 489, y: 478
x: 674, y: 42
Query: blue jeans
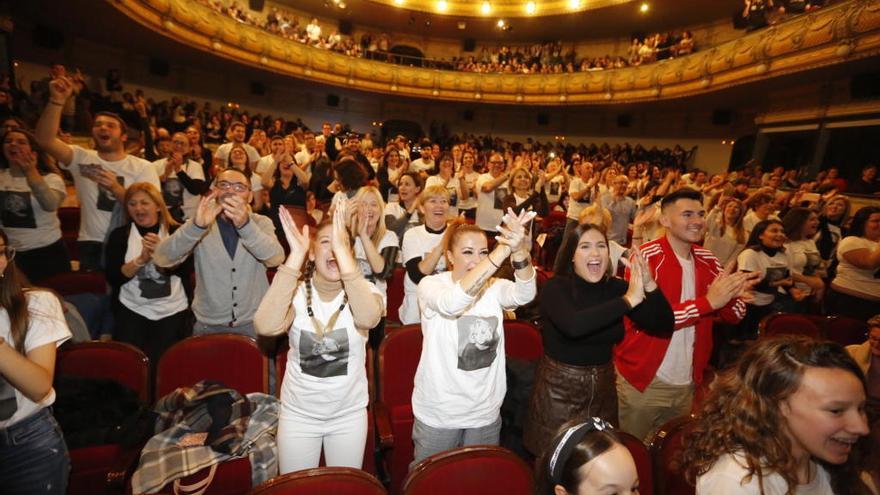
x: 33, y: 457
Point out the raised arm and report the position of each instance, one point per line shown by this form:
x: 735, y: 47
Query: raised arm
x: 46, y: 132
x: 276, y: 312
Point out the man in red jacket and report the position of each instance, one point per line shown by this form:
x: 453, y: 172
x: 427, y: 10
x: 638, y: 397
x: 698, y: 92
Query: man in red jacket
x: 656, y: 373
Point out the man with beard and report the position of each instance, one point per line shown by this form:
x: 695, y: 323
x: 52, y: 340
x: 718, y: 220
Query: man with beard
x: 236, y: 135
x: 100, y: 175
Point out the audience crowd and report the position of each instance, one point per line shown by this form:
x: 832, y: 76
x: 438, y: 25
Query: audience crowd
x: 648, y: 258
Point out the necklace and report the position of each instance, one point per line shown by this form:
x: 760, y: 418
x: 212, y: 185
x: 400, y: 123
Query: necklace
x: 320, y: 329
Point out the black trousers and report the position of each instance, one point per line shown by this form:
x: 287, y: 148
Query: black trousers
x: 153, y: 337
x: 41, y: 263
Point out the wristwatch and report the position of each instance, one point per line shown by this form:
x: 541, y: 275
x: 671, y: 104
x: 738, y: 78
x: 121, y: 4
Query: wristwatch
x: 519, y: 265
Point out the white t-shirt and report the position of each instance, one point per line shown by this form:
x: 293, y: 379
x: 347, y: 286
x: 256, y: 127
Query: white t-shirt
x: 151, y: 293
x: 395, y: 209
x: 725, y: 247
x: 771, y: 269
x: 96, y: 203
x: 852, y: 277
x: 805, y: 260
x: 223, y: 150
x: 421, y: 165
x: 388, y: 240
x: 751, y: 219
x: 417, y: 243
x: 266, y: 166
x: 554, y: 188
x: 46, y: 325
x: 677, y: 365
x: 470, y: 180
x: 453, y: 186
x: 576, y: 207
x: 173, y: 190
x: 325, y: 378
x: 301, y: 157
x: 460, y: 381
x: 489, y: 204
x: 725, y: 477
x: 26, y: 223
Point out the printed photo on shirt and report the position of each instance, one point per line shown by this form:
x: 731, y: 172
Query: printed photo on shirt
x: 813, y: 262
x: 18, y: 213
x: 554, y: 188
x: 477, y: 342
x: 8, y: 404
x: 500, y: 194
x: 172, y: 193
x: 772, y: 274
x: 325, y: 357
x: 453, y: 196
x: 153, y: 283
x: 106, y: 198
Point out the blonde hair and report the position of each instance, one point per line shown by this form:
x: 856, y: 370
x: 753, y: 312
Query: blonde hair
x: 596, y: 215
x: 150, y: 190
x: 379, y: 233
x: 434, y: 192
x: 523, y: 168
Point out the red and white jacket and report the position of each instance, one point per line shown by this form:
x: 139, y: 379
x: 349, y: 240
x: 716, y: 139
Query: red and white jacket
x: 639, y: 355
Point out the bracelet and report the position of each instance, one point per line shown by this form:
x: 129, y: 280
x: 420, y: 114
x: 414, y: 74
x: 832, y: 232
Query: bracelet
x: 519, y: 265
x: 139, y: 265
x: 493, y: 263
x: 57, y: 103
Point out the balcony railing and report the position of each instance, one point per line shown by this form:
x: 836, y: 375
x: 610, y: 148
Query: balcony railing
x: 842, y: 32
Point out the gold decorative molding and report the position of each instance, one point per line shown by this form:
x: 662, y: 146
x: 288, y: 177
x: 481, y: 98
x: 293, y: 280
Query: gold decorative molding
x: 501, y: 8
x: 842, y: 32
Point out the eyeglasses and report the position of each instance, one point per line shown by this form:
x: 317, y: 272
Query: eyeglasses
x: 9, y: 252
x: 235, y: 186
x: 496, y: 161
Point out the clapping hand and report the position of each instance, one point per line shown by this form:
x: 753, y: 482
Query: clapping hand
x: 731, y: 284
x: 297, y: 240
x: 148, y: 246
x: 340, y: 240
x: 207, y: 210
x: 513, y: 232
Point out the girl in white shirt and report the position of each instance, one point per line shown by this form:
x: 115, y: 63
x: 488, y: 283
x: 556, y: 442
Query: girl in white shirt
x: 855, y: 291
x: 782, y: 421
x: 807, y: 269
x: 32, y: 193
x: 375, y: 247
x: 460, y: 381
x: 33, y: 455
x: 467, y: 177
x: 326, y: 310
x: 725, y: 235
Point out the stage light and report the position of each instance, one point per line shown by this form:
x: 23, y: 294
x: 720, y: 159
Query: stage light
x: 486, y: 8
x: 530, y: 8
x: 644, y: 8
x: 442, y: 5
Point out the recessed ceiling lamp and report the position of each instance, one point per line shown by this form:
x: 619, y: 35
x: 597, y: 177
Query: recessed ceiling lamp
x: 574, y: 4
x: 644, y: 7
x: 500, y: 23
x: 530, y: 8
x: 486, y: 8
x: 442, y: 6
x: 399, y: 2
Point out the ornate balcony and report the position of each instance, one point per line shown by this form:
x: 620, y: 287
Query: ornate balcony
x: 837, y: 34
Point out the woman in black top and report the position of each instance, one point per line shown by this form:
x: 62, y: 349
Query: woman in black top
x: 289, y: 185
x: 583, y: 313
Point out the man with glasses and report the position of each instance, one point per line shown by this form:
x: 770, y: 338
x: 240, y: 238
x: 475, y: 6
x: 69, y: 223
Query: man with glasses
x: 492, y: 188
x: 232, y: 246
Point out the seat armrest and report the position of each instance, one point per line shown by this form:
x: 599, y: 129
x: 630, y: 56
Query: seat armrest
x: 119, y: 476
x: 383, y: 425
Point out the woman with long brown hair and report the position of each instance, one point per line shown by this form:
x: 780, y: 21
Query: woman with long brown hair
x: 33, y: 455
x: 725, y: 234
x: 786, y: 419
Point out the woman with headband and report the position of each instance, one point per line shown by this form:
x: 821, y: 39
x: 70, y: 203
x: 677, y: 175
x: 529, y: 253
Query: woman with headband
x: 587, y: 458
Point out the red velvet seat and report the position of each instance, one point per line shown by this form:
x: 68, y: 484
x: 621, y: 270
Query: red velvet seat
x: 322, y: 481
x: 232, y: 359
x: 475, y: 470
x: 788, y: 324
x: 70, y: 283
x: 522, y: 340
x: 399, y: 356
x: 122, y: 363
x: 69, y: 217
x: 846, y: 331
x: 665, y: 445
x: 370, y: 447
x: 395, y: 295
x: 642, y: 458
x: 545, y: 257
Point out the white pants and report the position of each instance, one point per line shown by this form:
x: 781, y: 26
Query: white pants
x: 300, y: 439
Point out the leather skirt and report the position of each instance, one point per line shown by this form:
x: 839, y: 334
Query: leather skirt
x: 563, y: 392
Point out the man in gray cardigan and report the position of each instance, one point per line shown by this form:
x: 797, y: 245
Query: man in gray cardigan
x: 232, y: 246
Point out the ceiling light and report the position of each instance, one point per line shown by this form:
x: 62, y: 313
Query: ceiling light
x: 486, y: 8
x: 462, y: 25
x: 399, y: 2
x: 574, y: 4
x: 501, y: 23
x: 644, y: 7
x: 530, y: 8
x: 442, y: 6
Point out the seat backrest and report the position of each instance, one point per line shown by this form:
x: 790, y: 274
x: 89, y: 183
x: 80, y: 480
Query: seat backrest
x: 395, y: 294
x: 123, y: 363
x: 474, y: 470
x: 70, y: 283
x: 232, y: 359
x: 522, y: 340
x: 846, y: 331
x: 665, y: 446
x: 321, y: 481
x: 69, y: 217
x: 399, y: 356
x: 642, y: 458
x: 788, y: 324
